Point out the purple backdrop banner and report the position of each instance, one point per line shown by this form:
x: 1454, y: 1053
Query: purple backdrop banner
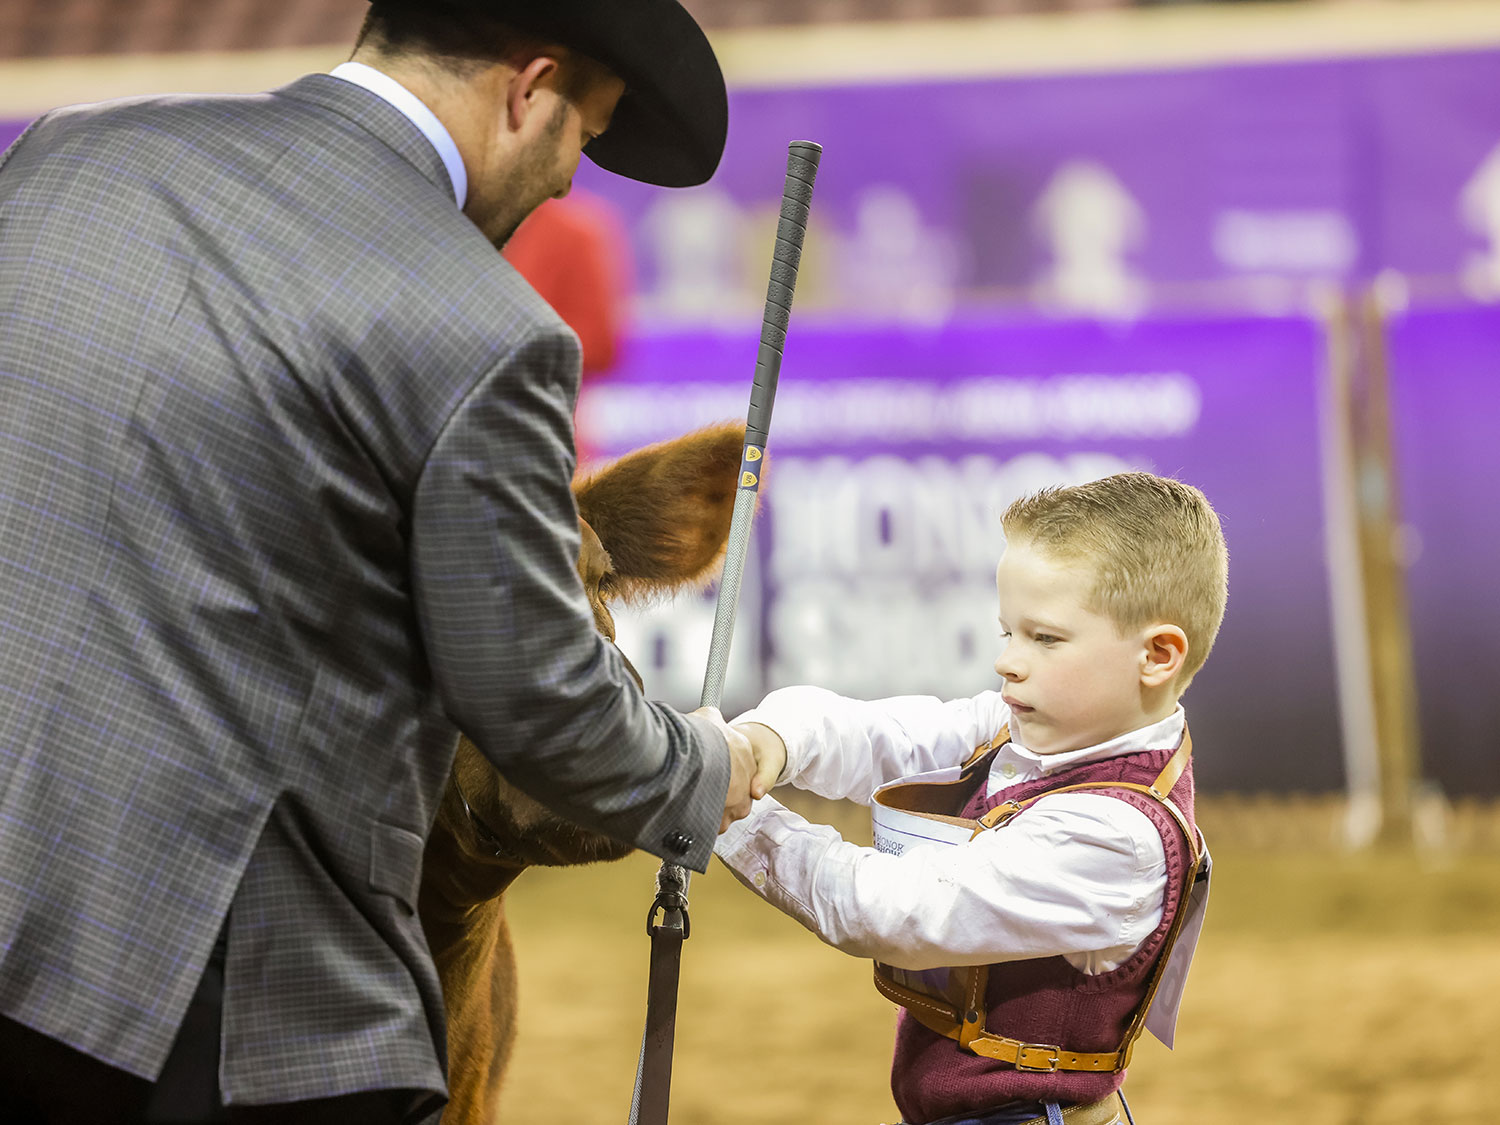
x: 892, y: 453
x: 1100, y: 192
x: 1445, y: 369
x: 1090, y: 193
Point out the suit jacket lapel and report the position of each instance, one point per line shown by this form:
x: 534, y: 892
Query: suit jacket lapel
x: 376, y: 115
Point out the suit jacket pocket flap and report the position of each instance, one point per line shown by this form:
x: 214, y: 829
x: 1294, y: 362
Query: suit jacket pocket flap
x: 395, y: 862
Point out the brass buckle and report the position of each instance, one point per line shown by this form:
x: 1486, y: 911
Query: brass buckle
x: 1054, y: 1054
x: 1000, y: 814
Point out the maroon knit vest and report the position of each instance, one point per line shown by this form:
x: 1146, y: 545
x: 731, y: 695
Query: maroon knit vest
x: 1045, y: 999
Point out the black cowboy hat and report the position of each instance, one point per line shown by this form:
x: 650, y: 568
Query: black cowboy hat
x: 670, y: 125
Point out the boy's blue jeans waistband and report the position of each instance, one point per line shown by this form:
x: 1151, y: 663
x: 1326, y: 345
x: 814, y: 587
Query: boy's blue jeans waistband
x: 1012, y: 1114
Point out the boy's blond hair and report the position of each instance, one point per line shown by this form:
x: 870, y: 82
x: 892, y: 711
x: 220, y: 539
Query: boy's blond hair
x: 1155, y: 546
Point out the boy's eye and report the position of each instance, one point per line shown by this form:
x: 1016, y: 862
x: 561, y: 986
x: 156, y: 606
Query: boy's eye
x: 1044, y: 639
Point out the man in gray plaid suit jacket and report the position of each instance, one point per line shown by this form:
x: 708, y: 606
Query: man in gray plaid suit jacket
x: 285, y: 448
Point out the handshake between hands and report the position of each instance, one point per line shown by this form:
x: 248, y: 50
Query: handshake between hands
x: 756, y: 758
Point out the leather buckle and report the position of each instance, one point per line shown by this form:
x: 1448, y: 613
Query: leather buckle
x: 1000, y: 814
x: 1052, y: 1051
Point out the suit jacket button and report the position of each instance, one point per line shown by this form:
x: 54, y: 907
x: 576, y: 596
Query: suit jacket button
x: 678, y: 843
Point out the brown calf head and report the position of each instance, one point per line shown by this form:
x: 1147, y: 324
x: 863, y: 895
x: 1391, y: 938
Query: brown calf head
x: 653, y: 522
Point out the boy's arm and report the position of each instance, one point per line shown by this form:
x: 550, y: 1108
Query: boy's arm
x: 1078, y: 874
x: 839, y: 747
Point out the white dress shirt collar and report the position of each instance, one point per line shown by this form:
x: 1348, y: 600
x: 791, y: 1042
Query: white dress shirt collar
x: 384, y: 86
x: 1014, y: 763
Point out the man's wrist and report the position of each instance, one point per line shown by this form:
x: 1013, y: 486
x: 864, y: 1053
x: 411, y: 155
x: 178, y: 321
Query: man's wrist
x: 708, y: 804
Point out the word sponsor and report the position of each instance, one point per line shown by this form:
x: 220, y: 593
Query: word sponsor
x: 894, y: 411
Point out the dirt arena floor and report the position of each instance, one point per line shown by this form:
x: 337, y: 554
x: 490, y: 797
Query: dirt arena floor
x: 1344, y: 989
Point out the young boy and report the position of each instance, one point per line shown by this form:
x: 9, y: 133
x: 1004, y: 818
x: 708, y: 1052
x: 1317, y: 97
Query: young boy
x: 1025, y: 955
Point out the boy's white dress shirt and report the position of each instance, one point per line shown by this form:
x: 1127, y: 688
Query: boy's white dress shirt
x: 1082, y: 875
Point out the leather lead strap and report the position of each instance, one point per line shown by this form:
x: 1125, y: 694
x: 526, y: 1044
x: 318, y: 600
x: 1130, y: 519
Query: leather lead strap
x: 653, y: 1077
x: 661, y: 1025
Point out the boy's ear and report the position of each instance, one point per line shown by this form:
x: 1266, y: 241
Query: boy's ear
x: 1165, y: 651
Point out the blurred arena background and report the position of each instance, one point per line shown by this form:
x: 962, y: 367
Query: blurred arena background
x: 1254, y: 245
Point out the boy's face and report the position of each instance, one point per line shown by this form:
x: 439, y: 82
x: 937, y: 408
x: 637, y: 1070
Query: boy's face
x: 1071, y: 679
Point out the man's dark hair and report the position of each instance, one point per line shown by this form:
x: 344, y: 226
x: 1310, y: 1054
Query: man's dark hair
x: 459, y: 40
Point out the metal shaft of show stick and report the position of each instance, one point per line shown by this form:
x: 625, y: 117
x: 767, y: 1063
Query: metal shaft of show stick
x: 796, y: 199
x: 653, y: 1079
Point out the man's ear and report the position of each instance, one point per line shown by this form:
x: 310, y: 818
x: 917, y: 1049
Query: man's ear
x: 522, y: 89
x: 1166, y: 648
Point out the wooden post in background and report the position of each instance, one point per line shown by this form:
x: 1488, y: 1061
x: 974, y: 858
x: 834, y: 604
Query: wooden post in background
x: 1346, y: 586
x: 1367, y: 556
x: 1383, y: 560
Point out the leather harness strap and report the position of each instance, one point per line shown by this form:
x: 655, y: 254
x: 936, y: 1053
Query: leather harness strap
x: 967, y: 1026
x: 971, y: 1036
x: 1002, y: 736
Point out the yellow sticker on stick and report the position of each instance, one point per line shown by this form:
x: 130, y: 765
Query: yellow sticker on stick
x: 752, y: 453
x: 747, y: 480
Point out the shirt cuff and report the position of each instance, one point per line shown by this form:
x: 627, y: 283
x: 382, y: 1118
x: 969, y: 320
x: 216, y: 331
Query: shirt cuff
x: 795, y: 752
x: 732, y: 846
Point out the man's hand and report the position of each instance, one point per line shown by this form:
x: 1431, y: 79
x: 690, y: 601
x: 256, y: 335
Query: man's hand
x: 770, y: 756
x: 742, y: 768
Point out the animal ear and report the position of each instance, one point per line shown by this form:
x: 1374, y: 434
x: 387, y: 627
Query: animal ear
x: 663, y: 512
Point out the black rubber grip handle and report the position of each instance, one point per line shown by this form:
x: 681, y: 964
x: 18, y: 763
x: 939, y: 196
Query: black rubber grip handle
x: 796, y: 200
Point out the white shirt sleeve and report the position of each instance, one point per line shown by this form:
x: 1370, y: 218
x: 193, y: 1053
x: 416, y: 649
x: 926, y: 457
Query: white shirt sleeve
x: 847, y: 748
x: 1081, y: 875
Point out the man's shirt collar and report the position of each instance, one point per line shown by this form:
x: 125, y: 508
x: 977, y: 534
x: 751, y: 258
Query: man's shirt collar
x: 384, y: 86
